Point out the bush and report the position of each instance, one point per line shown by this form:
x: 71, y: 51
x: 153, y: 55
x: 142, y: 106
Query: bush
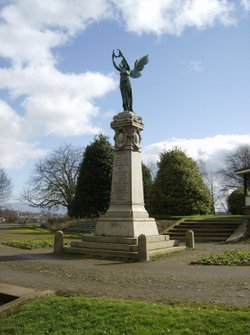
x: 236, y: 201
x: 179, y: 188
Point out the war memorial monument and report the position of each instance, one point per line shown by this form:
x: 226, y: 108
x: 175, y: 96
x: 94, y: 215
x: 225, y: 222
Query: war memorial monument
x: 126, y: 230
x: 127, y: 215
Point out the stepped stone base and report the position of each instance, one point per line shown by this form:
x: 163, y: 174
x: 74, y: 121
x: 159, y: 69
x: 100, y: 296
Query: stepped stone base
x: 125, y: 248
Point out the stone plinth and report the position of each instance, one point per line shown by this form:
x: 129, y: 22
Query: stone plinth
x: 126, y: 215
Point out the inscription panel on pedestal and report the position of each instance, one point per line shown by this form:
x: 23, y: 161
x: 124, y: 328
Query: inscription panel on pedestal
x: 120, y: 191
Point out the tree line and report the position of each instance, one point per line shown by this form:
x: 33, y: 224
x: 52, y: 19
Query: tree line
x: 80, y: 181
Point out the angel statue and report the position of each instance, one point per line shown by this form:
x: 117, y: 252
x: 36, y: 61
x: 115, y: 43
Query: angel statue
x: 125, y: 73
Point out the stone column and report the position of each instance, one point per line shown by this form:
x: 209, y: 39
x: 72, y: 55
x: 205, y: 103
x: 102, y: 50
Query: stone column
x: 126, y: 215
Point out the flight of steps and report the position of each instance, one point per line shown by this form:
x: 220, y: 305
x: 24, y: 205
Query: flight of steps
x: 124, y: 248
x: 204, y: 230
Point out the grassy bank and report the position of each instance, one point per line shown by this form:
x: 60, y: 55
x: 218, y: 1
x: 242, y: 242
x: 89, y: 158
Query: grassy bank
x: 78, y: 315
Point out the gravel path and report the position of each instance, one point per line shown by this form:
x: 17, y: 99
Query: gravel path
x: 169, y: 279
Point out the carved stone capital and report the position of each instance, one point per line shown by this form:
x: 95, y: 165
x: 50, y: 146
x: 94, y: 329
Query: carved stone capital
x: 127, y: 118
x: 127, y: 127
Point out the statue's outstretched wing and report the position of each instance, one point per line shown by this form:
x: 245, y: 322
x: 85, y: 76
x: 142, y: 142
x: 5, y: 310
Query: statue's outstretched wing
x: 138, y: 67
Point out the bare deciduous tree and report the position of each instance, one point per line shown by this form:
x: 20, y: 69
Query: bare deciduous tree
x: 53, y: 182
x: 212, y: 180
x: 238, y: 159
x: 5, y: 186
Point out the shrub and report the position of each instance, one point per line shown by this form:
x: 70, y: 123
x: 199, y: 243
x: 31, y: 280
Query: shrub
x: 236, y: 201
x: 179, y: 188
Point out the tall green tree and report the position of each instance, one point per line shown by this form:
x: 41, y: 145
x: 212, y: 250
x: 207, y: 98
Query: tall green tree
x: 93, y: 188
x: 147, y: 184
x: 178, y: 187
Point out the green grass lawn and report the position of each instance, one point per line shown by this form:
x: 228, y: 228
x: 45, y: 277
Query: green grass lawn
x: 31, y: 237
x: 79, y: 315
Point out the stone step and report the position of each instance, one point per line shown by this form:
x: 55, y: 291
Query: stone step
x: 157, y: 238
x: 196, y: 236
x: 111, y: 239
x: 200, y: 238
x: 200, y: 230
x: 104, y: 246
x: 163, y: 251
x: 204, y: 231
x: 237, y: 220
x: 162, y: 245
x: 210, y: 224
x: 121, y: 247
x: 102, y: 252
x: 206, y: 226
x: 212, y: 232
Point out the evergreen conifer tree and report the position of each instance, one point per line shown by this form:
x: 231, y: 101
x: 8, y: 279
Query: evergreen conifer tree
x: 94, y: 181
x: 179, y: 188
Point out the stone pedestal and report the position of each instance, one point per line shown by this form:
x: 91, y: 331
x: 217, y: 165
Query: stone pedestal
x: 126, y: 215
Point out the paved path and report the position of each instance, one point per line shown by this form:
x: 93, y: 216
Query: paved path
x: 166, y: 280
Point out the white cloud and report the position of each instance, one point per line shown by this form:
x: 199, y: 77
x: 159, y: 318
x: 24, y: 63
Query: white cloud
x: 14, y: 153
x: 211, y: 150
x: 15, y: 146
x: 44, y: 25
x: 56, y: 103
x: 52, y: 102
x: 11, y: 123
x: 246, y: 4
x: 174, y: 16
x: 194, y: 66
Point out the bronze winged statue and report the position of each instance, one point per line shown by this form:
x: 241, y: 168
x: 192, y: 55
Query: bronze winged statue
x: 125, y: 73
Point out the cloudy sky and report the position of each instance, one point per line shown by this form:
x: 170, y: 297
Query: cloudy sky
x: 58, y: 84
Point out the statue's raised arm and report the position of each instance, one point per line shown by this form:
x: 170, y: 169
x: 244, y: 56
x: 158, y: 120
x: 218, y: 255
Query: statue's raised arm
x: 125, y: 73
x: 113, y: 60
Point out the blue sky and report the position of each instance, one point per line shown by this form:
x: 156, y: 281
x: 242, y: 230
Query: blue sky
x: 58, y: 84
